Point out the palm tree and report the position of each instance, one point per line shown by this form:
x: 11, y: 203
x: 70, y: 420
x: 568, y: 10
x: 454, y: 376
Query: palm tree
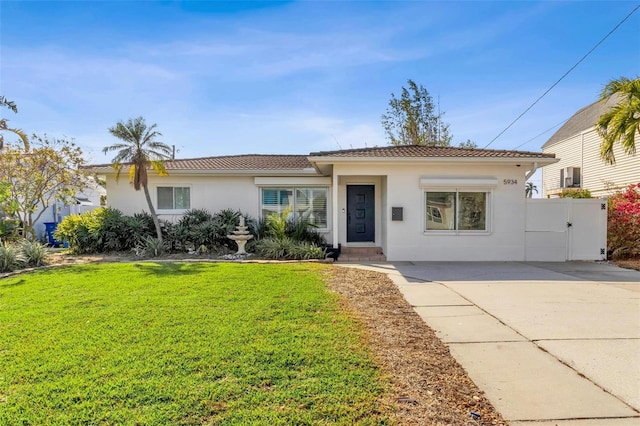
x: 529, y: 189
x: 3, y: 124
x: 140, y: 151
x: 621, y: 123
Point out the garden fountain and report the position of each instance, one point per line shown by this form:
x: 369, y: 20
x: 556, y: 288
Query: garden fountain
x: 241, y: 236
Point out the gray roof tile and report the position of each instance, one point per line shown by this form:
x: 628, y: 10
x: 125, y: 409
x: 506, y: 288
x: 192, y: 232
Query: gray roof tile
x: 582, y: 120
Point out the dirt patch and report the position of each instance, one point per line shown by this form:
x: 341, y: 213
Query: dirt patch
x: 429, y: 386
x: 629, y: 263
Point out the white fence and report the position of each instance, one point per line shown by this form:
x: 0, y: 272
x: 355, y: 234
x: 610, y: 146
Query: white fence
x: 561, y: 229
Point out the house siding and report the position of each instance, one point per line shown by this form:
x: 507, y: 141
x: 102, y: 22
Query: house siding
x: 583, y: 150
x: 600, y: 178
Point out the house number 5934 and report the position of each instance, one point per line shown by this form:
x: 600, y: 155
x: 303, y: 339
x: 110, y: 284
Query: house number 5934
x: 509, y: 181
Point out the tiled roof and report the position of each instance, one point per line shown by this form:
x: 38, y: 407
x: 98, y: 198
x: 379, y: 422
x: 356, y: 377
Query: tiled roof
x: 298, y: 163
x: 421, y: 151
x: 237, y: 163
x: 582, y: 120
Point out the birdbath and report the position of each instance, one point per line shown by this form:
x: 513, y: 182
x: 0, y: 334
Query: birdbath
x: 241, y: 236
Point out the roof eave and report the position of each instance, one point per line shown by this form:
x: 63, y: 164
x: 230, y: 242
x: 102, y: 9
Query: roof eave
x: 218, y: 172
x: 455, y: 160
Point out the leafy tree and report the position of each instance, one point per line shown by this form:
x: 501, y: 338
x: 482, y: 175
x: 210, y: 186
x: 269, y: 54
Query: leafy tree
x: 529, y: 189
x: 621, y: 123
x: 413, y: 119
x: 4, y: 127
x: 48, y: 172
x: 468, y: 144
x: 140, y: 151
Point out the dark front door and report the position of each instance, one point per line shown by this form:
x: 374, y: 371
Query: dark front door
x: 360, y: 213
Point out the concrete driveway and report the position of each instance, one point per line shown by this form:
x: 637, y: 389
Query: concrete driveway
x: 549, y: 343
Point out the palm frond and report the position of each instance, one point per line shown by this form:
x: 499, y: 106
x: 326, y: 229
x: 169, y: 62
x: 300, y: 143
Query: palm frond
x: 9, y: 104
x: 132, y: 172
x: 620, y: 123
x: 115, y: 147
x: 22, y: 135
x: 158, y: 167
x: 117, y: 167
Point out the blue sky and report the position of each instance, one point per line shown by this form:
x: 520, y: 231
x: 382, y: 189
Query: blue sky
x: 295, y: 77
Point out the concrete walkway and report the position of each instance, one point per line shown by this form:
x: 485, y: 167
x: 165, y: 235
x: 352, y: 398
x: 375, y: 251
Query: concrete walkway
x: 549, y: 343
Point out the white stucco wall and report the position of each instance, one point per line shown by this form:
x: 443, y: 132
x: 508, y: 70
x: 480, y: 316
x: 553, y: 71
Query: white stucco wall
x: 207, y: 192
x: 213, y: 193
x: 396, y: 185
x: 406, y: 240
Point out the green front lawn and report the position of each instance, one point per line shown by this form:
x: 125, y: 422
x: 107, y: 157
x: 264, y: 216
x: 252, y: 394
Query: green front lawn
x: 182, y: 343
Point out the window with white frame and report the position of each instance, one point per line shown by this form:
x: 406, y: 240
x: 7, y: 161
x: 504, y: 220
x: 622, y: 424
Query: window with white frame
x: 306, y: 203
x: 456, y: 210
x: 174, y: 198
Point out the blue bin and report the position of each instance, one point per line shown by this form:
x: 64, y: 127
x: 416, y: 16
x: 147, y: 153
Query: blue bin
x: 50, y: 228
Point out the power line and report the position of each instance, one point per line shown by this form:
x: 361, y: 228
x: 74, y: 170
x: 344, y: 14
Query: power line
x: 582, y: 111
x: 540, y: 134
x: 565, y: 74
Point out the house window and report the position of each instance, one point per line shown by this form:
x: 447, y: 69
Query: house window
x: 456, y: 210
x: 570, y: 177
x: 307, y: 203
x: 174, y: 198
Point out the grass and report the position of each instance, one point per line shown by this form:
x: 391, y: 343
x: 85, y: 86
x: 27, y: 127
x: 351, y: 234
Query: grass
x: 182, y: 343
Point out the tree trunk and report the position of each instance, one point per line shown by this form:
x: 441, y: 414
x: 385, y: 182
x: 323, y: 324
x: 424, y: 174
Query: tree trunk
x: 152, y: 211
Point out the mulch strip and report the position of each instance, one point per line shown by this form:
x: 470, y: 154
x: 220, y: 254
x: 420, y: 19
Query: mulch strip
x: 429, y: 387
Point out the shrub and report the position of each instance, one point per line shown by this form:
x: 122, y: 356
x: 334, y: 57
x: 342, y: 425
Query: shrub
x: 9, y: 229
x: 288, y: 248
x: 32, y: 253
x: 195, y: 217
x: 302, y: 230
x: 288, y: 225
x: 113, y: 230
x: 104, y: 229
x: 199, y: 228
x: 226, y: 222
x: 275, y: 248
x: 139, y: 226
x: 259, y: 228
x: 277, y: 224
x: 193, y: 230
x: 81, y: 231
x: 10, y: 257
x: 623, y: 224
x: 304, y: 250
x: 575, y: 193
x: 150, y: 247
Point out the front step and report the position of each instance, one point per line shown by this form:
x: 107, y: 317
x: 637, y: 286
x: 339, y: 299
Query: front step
x: 361, y: 254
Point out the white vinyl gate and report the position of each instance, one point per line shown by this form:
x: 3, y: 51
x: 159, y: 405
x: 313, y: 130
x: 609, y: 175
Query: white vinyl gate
x: 561, y: 229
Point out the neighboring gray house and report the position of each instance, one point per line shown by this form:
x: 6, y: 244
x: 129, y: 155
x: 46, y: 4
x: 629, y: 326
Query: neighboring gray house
x: 577, y: 145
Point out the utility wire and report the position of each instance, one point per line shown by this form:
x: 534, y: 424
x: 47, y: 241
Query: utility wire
x: 540, y: 134
x: 582, y: 111
x: 565, y: 74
